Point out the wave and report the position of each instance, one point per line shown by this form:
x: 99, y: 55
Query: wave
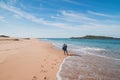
x: 85, y: 50
x: 72, y: 66
x: 60, y: 68
x: 102, y: 58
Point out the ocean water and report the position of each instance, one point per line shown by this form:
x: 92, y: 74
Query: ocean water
x: 93, y: 59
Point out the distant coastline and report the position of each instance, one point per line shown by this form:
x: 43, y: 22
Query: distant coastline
x: 94, y: 37
x: 4, y: 36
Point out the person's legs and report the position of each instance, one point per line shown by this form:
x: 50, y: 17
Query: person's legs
x: 64, y: 52
x: 67, y: 52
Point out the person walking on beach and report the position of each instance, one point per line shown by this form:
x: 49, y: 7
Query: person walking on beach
x: 65, y: 49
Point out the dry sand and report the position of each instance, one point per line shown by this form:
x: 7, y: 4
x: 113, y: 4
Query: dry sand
x: 28, y: 60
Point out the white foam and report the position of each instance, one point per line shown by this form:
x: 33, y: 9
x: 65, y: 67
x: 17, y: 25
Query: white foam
x: 84, y: 50
x: 79, y: 76
x: 81, y: 50
x: 104, y: 57
x: 60, y: 68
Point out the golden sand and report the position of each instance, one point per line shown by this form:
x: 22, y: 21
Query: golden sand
x: 28, y: 60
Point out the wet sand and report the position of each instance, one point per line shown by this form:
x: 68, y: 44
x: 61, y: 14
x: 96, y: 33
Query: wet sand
x: 89, y: 67
x: 28, y: 59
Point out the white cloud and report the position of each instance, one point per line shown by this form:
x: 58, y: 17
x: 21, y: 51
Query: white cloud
x: 65, y: 19
x: 11, y: 2
x: 75, y: 19
x: 2, y: 19
x: 74, y: 2
x: 102, y: 14
x: 17, y: 16
x: 87, y: 23
x: 28, y: 16
x: 76, y: 16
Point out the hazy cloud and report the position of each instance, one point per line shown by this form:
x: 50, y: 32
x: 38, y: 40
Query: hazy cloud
x: 77, y: 16
x: 2, y: 19
x: 102, y: 14
x: 75, y: 3
x: 70, y: 18
x: 30, y: 17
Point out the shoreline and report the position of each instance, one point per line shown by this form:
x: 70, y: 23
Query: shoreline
x: 29, y: 60
x: 89, y: 67
x: 34, y: 59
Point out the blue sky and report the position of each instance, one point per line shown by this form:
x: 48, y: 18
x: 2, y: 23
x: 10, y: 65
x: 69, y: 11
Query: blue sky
x: 59, y: 18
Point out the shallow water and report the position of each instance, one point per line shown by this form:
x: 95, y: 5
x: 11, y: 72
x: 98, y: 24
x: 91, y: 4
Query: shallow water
x: 89, y: 67
x: 109, y: 48
x: 92, y: 59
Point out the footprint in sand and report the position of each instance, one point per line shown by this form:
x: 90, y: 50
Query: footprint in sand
x: 45, y: 78
x: 34, y: 78
x: 53, y: 63
x: 44, y: 71
x: 44, y: 59
x: 42, y: 66
x: 52, y: 67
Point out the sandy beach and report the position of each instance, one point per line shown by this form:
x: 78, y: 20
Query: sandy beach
x: 33, y: 59
x: 28, y: 59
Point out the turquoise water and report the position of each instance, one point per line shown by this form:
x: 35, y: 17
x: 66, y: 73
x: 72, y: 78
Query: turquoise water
x: 103, y: 47
x: 93, y: 59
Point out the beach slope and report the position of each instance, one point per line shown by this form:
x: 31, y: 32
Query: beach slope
x: 28, y: 59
